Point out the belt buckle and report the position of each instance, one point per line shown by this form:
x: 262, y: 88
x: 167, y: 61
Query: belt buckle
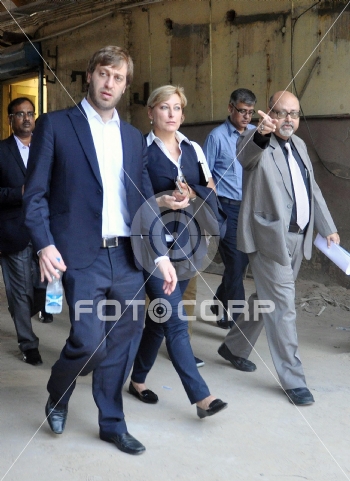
x: 105, y: 242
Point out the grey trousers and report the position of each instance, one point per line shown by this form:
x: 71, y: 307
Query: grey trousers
x: 17, y: 271
x: 276, y: 283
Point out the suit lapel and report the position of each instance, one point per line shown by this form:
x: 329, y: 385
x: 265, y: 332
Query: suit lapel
x: 280, y: 161
x: 12, y: 145
x: 299, y: 145
x: 81, y: 126
x: 127, y: 155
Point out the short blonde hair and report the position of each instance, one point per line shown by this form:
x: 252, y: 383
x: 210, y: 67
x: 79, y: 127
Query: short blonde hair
x: 163, y: 93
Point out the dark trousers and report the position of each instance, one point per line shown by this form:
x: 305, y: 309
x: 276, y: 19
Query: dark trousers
x: 23, y: 299
x: 177, y: 340
x: 235, y: 262
x: 106, y: 347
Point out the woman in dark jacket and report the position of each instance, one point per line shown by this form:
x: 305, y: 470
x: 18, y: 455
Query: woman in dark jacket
x: 183, y: 186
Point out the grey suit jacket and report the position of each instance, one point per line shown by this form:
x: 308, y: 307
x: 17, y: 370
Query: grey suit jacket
x: 268, y: 200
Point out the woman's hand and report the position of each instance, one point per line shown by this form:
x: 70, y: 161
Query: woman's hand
x: 187, y: 190
x: 173, y: 202
x: 169, y: 275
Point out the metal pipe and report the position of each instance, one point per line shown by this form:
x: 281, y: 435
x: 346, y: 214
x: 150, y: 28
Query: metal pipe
x: 316, y: 63
x: 211, y: 64
x: 149, y: 53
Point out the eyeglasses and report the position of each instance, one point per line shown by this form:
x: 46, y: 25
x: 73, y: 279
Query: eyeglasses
x: 21, y: 115
x: 244, y: 111
x: 282, y: 114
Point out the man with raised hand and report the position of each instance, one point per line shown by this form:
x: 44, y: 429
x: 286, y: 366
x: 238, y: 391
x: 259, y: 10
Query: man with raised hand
x: 282, y: 205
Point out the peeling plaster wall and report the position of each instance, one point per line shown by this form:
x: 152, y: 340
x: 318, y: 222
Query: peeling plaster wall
x: 74, y: 50
x: 212, y: 48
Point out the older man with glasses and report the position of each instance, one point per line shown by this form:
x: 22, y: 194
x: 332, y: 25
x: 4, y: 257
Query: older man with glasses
x: 220, y: 151
x: 282, y: 204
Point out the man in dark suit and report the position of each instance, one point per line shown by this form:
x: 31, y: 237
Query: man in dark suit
x: 87, y: 179
x: 282, y: 204
x: 17, y: 261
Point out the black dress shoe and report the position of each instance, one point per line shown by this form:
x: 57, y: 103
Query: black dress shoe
x: 45, y: 317
x: 32, y: 356
x: 146, y: 396
x: 125, y: 442
x: 221, y: 322
x: 300, y: 396
x: 56, y: 415
x: 214, y: 407
x: 214, y: 309
x: 238, y: 362
x: 224, y: 324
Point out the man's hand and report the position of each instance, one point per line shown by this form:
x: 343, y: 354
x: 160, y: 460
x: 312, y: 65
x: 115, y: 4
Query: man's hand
x: 266, y: 124
x: 48, y: 263
x: 169, y: 274
x: 333, y: 238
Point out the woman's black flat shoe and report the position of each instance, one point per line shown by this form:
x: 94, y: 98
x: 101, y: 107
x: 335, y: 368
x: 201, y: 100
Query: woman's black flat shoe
x: 146, y: 396
x: 214, y: 407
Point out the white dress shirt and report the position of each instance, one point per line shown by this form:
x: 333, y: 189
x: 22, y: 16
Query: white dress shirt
x: 23, y: 150
x: 151, y: 137
x: 109, y: 151
x: 180, y: 138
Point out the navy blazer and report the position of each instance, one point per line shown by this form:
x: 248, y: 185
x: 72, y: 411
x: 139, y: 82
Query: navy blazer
x: 14, y: 236
x: 64, y: 193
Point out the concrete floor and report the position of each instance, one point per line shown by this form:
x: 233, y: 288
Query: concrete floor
x: 261, y: 436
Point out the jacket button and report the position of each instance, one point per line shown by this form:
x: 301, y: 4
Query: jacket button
x: 289, y: 206
x: 97, y: 214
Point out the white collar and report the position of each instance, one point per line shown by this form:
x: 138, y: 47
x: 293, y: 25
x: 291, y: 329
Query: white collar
x: 151, y: 137
x: 91, y: 113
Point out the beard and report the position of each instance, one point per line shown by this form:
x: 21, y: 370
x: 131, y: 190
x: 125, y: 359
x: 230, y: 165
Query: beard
x: 286, y: 132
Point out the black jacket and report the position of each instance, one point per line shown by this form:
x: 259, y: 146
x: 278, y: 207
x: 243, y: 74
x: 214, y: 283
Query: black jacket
x: 14, y: 236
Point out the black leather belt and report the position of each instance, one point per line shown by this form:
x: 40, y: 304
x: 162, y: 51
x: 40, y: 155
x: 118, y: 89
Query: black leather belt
x: 108, y: 242
x: 225, y: 200
x: 296, y: 229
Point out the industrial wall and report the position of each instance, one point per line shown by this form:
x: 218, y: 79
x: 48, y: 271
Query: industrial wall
x: 213, y: 47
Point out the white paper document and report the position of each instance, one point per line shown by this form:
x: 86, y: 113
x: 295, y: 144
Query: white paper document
x: 337, y: 254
